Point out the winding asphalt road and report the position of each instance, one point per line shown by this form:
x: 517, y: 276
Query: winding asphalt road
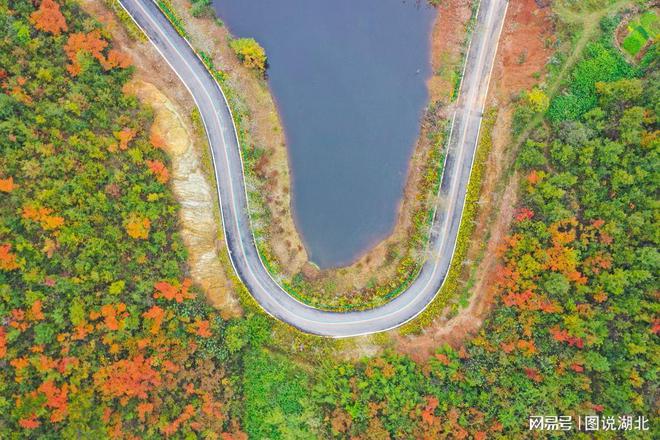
x: 230, y: 181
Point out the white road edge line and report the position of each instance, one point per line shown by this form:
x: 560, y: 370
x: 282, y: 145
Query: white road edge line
x: 453, y: 200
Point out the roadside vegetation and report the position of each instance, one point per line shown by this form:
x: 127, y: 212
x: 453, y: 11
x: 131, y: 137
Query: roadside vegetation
x: 131, y: 28
x: 251, y: 54
x: 200, y: 8
x: 369, y: 281
x: 451, y: 284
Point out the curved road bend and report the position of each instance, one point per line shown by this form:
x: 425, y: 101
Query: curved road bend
x: 231, y: 185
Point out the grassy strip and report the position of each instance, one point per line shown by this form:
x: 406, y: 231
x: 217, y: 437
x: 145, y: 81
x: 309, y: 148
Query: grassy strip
x: 173, y: 17
x: 451, y: 284
x: 133, y: 30
x: 469, y: 29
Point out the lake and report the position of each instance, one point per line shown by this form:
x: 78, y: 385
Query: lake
x: 349, y: 80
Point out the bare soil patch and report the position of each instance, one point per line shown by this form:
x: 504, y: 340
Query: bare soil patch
x: 198, y: 225
x: 525, y: 48
x: 447, y: 42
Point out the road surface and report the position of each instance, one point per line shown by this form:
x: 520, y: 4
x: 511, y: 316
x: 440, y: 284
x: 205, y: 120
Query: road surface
x: 230, y: 182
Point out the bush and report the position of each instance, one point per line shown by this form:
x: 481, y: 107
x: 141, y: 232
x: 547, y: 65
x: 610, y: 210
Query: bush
x: 200, y: 8
x: 538, y: 100
x: 602, y: 63
x: 250, y: 53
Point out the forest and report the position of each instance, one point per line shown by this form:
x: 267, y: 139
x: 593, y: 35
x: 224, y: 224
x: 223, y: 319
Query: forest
x: 103, y: 335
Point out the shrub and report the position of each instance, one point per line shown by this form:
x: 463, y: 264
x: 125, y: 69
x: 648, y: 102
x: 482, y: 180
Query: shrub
x: 601, y: 63
x: 538, y: 100
x: 200, y: 8
x: 250, y: 53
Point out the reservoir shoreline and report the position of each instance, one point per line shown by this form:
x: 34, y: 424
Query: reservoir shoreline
x: 383, y: 268
x: 348, y: 79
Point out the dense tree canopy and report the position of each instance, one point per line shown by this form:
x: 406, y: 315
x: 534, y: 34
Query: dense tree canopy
x: 101, y: 334
x: 575, y: 330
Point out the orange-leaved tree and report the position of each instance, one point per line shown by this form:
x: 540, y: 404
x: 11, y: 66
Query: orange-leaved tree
x: 49, y: 18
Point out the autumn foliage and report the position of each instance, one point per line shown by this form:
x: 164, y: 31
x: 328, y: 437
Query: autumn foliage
x: 176, y: 292
x: 92, y: 44
x: 3, y: 343
x: 49, y: 18
x: 124, y: 136
x: 85, y: 348
x: 56, y: 399
x: 159, y: 170
x: 138, y: 227
x: 29, y: 423
x: 7, y: 185
x: 203, y: 328
x: 156, y: 315
x: 128, y: 378
x: 7, y: 258
x: 112, y: 315
x: 43, y: 216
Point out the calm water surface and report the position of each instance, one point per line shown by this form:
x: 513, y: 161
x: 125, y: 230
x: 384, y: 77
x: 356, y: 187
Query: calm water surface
x: 349, y: 80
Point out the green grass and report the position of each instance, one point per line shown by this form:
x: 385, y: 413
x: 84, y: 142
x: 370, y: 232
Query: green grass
x: 634, y: 42
x: 649, y: 21
x: 600, y: 62
x: 640, y: 31
x: 133, y: 30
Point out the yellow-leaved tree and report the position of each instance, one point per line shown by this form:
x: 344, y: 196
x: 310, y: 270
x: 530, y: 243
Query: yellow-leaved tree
x: 250, y: 53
